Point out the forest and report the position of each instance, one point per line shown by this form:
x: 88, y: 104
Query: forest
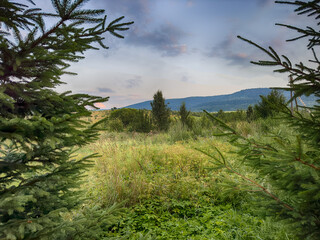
x: 70, y: 172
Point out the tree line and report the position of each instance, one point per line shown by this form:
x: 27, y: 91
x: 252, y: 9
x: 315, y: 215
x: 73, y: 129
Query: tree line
x: 160, y: 116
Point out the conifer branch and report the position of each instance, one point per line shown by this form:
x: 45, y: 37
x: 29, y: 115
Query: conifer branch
x: 307, y: 164
x: 261, y: 187
x: 44, y: 126
x: 43, y: 36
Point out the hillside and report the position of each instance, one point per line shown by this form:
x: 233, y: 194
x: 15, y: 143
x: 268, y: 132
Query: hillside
x: 228, y: 102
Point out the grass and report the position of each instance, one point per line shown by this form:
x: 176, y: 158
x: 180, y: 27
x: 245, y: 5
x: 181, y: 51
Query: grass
x: 170, y: 190
x: 140, y: 167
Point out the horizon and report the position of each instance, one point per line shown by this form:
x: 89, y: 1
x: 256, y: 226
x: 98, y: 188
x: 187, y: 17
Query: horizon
x: 194, y: 96
x: 132, y: 105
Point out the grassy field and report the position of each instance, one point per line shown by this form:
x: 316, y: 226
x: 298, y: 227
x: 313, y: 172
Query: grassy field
x: 168, y: 189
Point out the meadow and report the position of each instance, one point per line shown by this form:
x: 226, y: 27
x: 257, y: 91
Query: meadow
x: 161, y: 174
x: 167, y: 188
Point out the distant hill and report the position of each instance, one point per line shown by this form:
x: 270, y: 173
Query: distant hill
x: 228, y: 102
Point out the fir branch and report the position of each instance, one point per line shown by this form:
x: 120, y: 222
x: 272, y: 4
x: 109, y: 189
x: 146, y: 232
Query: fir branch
x: 262, y: 188
x: 307, y: 164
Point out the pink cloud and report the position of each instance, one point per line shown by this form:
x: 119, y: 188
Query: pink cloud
x: 190, y: 3
x: 242, y: 55
x: 100, y: 105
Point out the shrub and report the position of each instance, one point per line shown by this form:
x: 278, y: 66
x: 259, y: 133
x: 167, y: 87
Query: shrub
x: 179, y: 132
x: 126, y: 115
x: 141, y: 122
x: 115, y: 125
x: 132, y: 119
x: 250, y: 114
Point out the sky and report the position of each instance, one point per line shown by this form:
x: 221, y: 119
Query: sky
x: 185, y: 48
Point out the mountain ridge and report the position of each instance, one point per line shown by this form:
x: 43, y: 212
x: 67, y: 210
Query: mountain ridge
x: 226, y: 102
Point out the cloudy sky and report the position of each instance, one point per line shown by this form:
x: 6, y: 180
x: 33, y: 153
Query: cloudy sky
x: 185, y: 48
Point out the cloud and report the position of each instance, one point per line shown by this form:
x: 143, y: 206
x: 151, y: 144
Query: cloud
x: 100, y: 105
x: 137, y: 10
x: 105, y: 90
x: 263, y: 3
x: 133, y: 83
x: 184, y: 79
x: 166, y: 38
x: 190, y: 3
x: 225, y: 50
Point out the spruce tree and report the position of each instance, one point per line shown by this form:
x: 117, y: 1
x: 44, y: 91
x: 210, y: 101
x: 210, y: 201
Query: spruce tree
x: 184, y: 115
x: 250, y: 115
x: 41, y: 129
x: 160, y: 111
x: 268, y: 105
x: 287, y: 185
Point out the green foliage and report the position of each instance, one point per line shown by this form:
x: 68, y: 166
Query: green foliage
x: 250, y: 114
x: 184, y: 115
x: 287, y: 165
x: 286, y: 178
x: 193, y: 220
x: 205, y: 122
x: 270, y: 105
x: 220, y: 114
x: 41, y: 129
x: 180, y: 132
x: 143, y: 166
x: 115, y: 125
x: 126, y: 115
x: 131, y: 119
x: 142, y: 122
x: 171, y: 191
x: 160, y: 112
x: 234, y: 116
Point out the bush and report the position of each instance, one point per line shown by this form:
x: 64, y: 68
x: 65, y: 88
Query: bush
x: 131, y: 119
x: 115, y: 125
x: 179, y: 132
x: 126, y: 115
x: 141, y: 122
x: 250, y: 114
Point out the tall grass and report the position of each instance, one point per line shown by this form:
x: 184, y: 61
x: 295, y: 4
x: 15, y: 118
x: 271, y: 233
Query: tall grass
x: 169, y: 187
x: 138, y: 168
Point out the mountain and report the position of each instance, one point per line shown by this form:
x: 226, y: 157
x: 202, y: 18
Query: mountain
x: 228, y: 102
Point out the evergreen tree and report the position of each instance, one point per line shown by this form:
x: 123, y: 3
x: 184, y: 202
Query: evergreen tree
x: 250, y: 113
x: 269, y: 105
x: 288, y: 167
x: 184, y: 115
x: 220, y: 114
x: 41, y: 129
x: 160, y: 111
